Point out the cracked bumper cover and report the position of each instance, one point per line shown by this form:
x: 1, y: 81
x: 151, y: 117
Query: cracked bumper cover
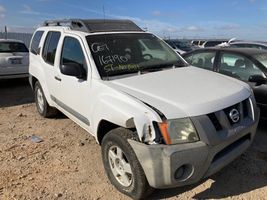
x: 160, y: 162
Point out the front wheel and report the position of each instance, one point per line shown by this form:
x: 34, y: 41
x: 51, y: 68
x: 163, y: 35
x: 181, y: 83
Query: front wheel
x: 122, y: 166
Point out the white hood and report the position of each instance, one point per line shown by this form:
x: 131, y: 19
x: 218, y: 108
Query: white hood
x: 183, y: 92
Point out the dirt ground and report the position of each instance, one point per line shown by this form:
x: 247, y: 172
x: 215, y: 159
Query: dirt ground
x: 67, y: 164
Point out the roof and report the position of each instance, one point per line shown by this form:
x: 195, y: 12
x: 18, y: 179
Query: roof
x: 248, y: 51
x: 96, y: 25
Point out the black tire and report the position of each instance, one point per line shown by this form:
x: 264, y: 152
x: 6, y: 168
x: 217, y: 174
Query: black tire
x: 139, y: 187
x: 45, y: 110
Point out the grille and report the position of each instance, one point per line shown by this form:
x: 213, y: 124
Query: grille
x: 215, y: 121
x: 222, y: 120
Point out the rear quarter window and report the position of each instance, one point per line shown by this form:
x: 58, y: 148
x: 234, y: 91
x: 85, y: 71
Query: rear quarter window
x: 36, y: 41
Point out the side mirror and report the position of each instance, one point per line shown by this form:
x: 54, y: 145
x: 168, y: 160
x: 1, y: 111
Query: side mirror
x: 73, y: 69
x: 258, y: 79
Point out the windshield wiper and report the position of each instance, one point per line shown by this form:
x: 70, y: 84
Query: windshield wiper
x: 154, y: 68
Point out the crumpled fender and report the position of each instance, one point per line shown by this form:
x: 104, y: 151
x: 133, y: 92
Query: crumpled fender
x: 125, y: 111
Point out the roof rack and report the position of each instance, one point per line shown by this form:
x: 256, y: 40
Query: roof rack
x: 95, y: 25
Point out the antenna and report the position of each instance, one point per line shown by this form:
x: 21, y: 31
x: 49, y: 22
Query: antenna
x: 5, y: 32
x: 104, y: 13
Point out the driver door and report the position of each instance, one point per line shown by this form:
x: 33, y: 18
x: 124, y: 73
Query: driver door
x: 72, y: 93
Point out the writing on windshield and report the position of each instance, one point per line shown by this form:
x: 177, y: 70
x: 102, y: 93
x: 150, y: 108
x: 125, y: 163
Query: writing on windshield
x: 113, y: 59
x: 116, y: 54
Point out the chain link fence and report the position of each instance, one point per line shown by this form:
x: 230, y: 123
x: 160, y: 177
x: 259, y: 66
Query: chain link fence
x: 25, y: 37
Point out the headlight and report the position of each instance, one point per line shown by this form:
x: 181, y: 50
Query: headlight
x: 178, y: 131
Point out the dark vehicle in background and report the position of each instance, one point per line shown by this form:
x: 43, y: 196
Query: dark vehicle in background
x: 14, y: 59
x: 246, y: 64
x: 180, y: 46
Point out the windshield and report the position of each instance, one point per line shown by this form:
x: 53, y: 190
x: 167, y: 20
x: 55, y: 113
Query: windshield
x: 126, y: 53
x: 262, y: 58
x: 10, y: 47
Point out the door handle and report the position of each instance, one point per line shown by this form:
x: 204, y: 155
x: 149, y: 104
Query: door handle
x: 57, y: 78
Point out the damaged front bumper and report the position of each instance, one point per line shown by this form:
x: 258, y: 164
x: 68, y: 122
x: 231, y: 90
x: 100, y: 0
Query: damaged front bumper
x: 169, y: 166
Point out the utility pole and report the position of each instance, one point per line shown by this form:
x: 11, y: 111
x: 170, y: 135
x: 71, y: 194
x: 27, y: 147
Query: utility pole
x: 5, y: 32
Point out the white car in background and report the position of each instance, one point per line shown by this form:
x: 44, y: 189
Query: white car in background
x: 249, y: 44
x: 14, y: 59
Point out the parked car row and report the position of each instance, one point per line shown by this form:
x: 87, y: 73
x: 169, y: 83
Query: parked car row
x: 246, y: 64
x: 160, y: 122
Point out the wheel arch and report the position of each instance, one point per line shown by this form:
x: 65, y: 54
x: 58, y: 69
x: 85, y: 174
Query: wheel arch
x: 105, y: 126
x: 34, y: 80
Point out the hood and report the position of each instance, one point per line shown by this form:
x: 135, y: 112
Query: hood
x: 183, y: 92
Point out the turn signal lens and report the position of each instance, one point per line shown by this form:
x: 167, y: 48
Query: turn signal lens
x: 163, y: 126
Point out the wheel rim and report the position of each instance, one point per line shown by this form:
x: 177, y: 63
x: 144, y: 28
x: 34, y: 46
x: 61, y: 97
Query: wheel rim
x: 40, y: 99
x: 120, y: 166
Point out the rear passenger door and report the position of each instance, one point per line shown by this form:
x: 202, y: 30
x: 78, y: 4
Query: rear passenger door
x: 49, y: 54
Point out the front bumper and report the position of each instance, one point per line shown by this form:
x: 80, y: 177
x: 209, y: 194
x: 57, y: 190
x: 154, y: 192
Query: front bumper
x: 193, y: 161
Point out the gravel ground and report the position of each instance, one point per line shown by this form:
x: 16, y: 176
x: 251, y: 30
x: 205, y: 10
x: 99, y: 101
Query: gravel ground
x: 67, y: 163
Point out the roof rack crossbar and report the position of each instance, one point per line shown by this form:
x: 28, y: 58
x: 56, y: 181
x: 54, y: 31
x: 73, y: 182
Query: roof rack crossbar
x: 74, y: 24
x: 96, y: 25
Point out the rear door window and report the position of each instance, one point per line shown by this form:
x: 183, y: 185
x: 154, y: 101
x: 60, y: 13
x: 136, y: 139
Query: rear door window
x: 50, y: 47
x: 238, y: 66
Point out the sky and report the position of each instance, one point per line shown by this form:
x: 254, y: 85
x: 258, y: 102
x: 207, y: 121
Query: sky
x: 241, y: 19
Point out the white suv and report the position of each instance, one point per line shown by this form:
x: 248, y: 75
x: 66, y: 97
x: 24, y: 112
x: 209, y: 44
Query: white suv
x: 160, y: 122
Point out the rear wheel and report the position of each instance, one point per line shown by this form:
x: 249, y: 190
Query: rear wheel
x: 42, y: 106
x: 122, y: 166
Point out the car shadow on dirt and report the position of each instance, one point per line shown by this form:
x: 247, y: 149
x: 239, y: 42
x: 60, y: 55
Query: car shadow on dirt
x: 15, y: 92
x: 245, y: 174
